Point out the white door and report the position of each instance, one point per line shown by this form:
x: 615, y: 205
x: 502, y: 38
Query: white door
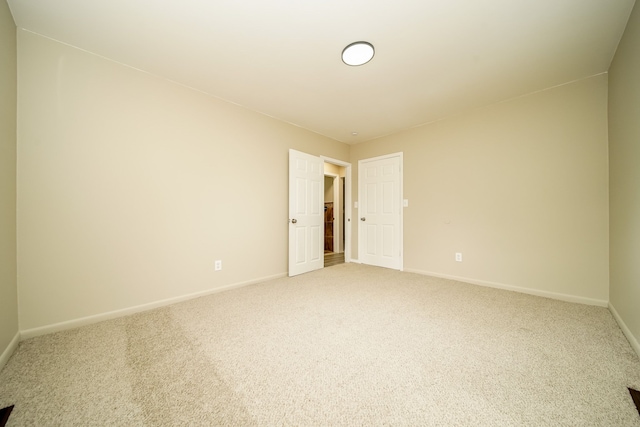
x: 380, y: 211
x: 306, y: 213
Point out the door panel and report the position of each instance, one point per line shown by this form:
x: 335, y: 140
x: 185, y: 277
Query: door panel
x: 317, y: 254
x: 306, y: 183
x: 381, y: 210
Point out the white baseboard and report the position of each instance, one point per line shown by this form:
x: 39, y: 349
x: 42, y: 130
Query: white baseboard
x: 353, y: 260
x: 627, y: 332
x: 75, y: 323
x: 6, y: 354
x: 536, y: 292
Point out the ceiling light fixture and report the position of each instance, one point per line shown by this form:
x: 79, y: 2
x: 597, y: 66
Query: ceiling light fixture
x: 358, y: 53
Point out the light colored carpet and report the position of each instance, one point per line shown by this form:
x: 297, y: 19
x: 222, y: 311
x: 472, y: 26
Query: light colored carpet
x: 346, y: 345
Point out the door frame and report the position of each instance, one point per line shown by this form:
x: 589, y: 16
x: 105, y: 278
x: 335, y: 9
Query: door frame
x: 347, y: 204
x: 400, y: 203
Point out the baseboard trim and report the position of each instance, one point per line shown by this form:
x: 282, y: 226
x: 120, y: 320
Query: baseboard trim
x: 11, y: 348
x: 354, y: 260
x: 83, y: 321
x: 529, y: 291
x: 627, y: 332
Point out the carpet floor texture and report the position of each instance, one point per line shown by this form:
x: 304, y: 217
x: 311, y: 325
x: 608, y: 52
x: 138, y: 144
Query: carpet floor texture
x: 349, y: 345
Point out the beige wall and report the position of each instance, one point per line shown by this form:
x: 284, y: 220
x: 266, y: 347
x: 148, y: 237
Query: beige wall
x: 328, y: 189
x: 8, y: 85
x: 520, y: 188
x: 130, y: 186
x: 332, y: 169
x: 624, y: 155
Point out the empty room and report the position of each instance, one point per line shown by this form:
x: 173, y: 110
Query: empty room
x: 336, y: 213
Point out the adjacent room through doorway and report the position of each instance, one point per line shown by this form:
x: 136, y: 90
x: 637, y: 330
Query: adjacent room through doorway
x: 334, y: 214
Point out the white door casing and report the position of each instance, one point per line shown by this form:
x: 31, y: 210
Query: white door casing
x: 380, y: 211
x: 337, y: 205
x: 306, y: 213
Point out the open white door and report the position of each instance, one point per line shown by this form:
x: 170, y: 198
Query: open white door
x: 306, y: 213
x: 380, y: 193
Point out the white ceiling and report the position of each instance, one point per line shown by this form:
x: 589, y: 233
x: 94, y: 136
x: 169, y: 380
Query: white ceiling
x: 433, y: 58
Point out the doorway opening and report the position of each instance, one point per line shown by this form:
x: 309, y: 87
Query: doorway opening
x: 336, y: 219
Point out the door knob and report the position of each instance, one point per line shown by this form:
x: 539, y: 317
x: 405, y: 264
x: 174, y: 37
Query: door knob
x: 293, y: 221
x: 363, y: 219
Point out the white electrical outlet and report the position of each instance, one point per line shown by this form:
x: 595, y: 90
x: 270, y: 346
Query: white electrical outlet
x: 218, y: 265
x: 459, y: 256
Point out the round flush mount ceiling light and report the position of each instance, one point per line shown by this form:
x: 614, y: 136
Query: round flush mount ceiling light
x: 358, y: 53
